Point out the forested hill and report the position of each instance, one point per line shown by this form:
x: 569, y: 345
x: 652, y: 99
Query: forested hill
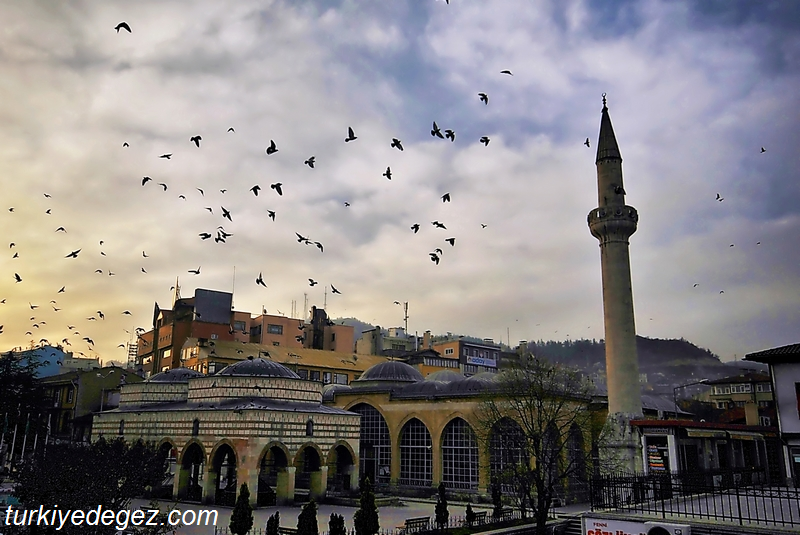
x: 653, y: 353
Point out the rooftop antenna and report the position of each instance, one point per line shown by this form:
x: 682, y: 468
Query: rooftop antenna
x: 305, y: 302
x: 325, y: 300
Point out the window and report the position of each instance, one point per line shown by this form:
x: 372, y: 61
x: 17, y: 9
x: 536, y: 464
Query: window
x: 459, y: 456
x: 416, y: 456
x: 764, y: 387
x: 340, y: 378
x: 326, y: 378
x: 303, y: 374
x: 765, y: 404
x: 121, y: 430
x: 195, y: 427
x: 466, y: 352
x: 449, y: 351
x: 276, y: 343
x: 722, y: 404
x: 740, y: 403
x: 310, y: 428
x: 274, y: 329
x: 766, y: 421
x: 239, y: 326
x: 333, y: 337
x: 70, y: 394
x: 214, y: 336
x: 212, y: 367
x: 314, y: 375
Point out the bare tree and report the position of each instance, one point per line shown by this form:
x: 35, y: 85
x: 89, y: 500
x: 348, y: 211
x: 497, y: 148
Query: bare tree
x: 538, y: 423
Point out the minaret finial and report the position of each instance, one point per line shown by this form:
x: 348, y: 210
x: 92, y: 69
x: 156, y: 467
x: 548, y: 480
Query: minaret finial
x: 604, y: 102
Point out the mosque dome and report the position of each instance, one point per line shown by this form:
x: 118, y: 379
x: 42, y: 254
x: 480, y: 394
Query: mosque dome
x: 392, y: 371
x: 444, y: 376
x: 258, y: 367
x: 175, y: 375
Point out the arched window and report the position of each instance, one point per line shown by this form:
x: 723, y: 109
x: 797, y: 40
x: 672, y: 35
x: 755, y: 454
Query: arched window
x: 310, y: 428
x: 416, y: 455
x: 507, y: 452
x: 121, y: 430
x: 195, y: 427
x: 459, y: 456
x: 375, y: 445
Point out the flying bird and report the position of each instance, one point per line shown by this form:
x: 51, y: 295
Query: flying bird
x: 277, y: 187
x: 62, y: 290
x: 145, y: 255
x: 435, y: 132
x: 619, y: 190
x: 146, y: 180
x: 301, y: 238
x: 696, y: 284
x: 271, y: 149
x: 334, y: 290
x: 319, y: 246
x: 388, y: 173
x: 451, y: 241
x: 195, y: 271
x: 346, y: 203
x: 255, y: 189
x: 167, y: 156
x: 223, y: 191
x: 485, y: 140
x: 310, y: 162
x: 718, y: 197
x: 763, y: 150
x: 98, y: 271
x: 231, y: 130
x: 196, y: 140
x: 434, y: 258
x: 73, y: 254
x: 163, y: 185
x: 260, y: 280
x: 415, y: 227
x: 102, y: 316
x: 226, y: 214
x: 450, y: 134
x: 127, y: 312
x: 210, y: 210
x: 484, y: 98
x: 201, y: 192
x: 397, y: 144
x: 483, y: 225
x: 437, y: 224
x: 587, y: 142
x: 204, y: 235
x: 122, y: 26
x: 61, y: 229
x: 47, y: 195
x: 144, y: 270
x: 350, y: 135
x: 125, y: 144
x: 271, y: 214
x: 506, y: 72
x: 312, y: 282
x: 446, y: 197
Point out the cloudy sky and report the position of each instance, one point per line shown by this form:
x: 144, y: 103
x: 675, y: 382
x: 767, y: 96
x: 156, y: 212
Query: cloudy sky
x: 695, y: 90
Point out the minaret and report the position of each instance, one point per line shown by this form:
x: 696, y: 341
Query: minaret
x: 612, y: 223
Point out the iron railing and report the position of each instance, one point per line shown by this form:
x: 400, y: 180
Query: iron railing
x: 735, y: 496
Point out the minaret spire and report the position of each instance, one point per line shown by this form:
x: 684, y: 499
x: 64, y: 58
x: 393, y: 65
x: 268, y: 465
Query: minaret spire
x: 612, y: 223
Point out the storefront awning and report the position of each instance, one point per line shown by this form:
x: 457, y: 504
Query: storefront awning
x: 706, y: 433
x: 744, y: 435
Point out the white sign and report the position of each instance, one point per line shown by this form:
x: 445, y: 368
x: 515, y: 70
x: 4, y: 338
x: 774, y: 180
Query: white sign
x: 480, y: 361
x: 604, y: 526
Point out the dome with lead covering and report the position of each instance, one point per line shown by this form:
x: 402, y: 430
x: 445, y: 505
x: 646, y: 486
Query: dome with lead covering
x: 329, y: 391
x: 444, y: 376
x: 392, y: 371
x: 175, y: 375
x: 258, y: 367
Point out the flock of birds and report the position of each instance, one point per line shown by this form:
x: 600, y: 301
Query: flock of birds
x: 221, y: 235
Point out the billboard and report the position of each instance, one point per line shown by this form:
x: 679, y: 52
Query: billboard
x: 212, y: 306
x: 480, y: 361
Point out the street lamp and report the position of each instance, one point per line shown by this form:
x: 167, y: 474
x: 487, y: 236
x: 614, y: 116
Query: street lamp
x: 675, y: 393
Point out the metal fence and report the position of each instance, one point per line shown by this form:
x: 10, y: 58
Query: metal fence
x: 509, y: 515
x: 734, y: 496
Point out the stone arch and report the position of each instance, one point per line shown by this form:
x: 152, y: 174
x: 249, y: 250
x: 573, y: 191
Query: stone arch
x: 223, y: 473
x: 459, y: 451
x: 169, y: 451
x: 307, y: 461
x: 191, y: 472
x: 272, y: 474
x: 341, y: 468
x: 375, y: 444
x: 416, y: 454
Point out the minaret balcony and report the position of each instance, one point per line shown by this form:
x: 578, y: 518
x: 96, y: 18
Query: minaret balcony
x: 613, y: 223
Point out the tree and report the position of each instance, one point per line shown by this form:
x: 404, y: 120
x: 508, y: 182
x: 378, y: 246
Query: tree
x: 242, y: 515
x: 533, y: 420
x: 497, y: 498
x: 105, y: 473
x: 307, y: 521
x: 365, y: 519
x: 469, y: 514
x: 273, y: 523
x: 336, y: 525
x: 442, y: 514
x: 23, y: 404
